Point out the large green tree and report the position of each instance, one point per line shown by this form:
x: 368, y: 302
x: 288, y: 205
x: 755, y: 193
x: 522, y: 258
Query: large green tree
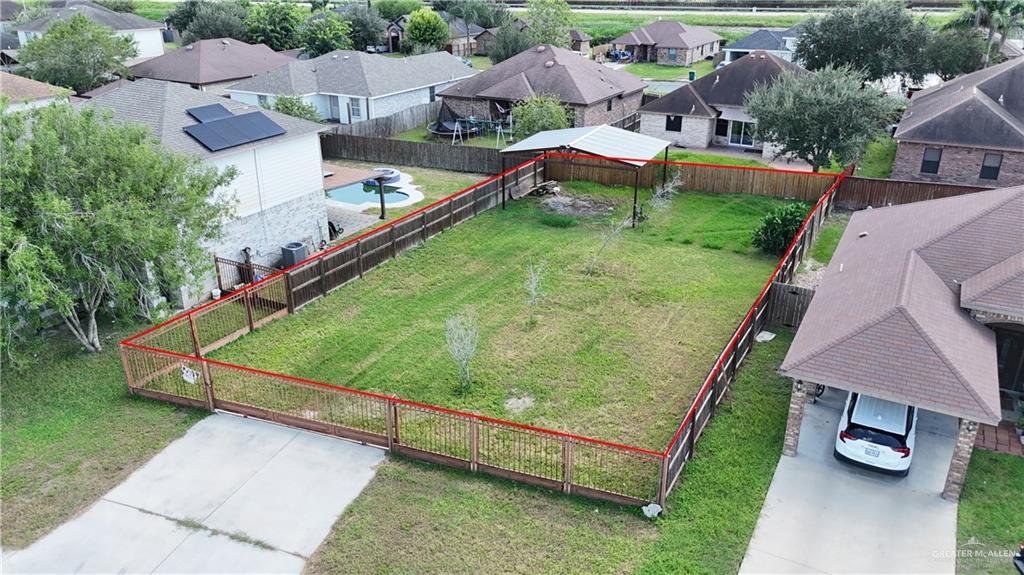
x: 183, y: 14
x: 952, y: 53
x: 425, y: 31
x: 880, y: 37
x: 1003, y: 17
x: 216, y: 20
x: 78, y: 54
x: 96, y: 216
x: 323, y: 33
x: 538, y: 114
x: 550, y: 22
x: 821, y: 116
x: 390, y: 10
x: 275, y: 24
x: 508, y: 41
x: 367, y: 27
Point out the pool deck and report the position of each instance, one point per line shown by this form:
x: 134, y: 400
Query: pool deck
x: 343, y: 176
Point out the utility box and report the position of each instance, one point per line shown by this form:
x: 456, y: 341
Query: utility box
x: 693, y: 75
x: 293, y: 253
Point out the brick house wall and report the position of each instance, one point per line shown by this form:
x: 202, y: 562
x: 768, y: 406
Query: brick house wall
x: 685, y: 57
x: 592, y: 115
x: 694, y: 132
x: 959, y: 165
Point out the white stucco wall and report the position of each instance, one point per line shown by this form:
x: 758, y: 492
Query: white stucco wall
x: 21, y: 106
x: 694, y: 132
x: 149, y: 43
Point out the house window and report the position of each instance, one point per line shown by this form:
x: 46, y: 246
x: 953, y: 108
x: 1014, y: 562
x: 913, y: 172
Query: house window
x: 673, y: 123
x: 742, y: 134
x: 263, y: 100
x: 433, y: 95
x: 930, y: 162
x: 357, y: 107
x: 990, y: 165
x: 608, y: 106
x: 672, y: 54
x: 722, y: 128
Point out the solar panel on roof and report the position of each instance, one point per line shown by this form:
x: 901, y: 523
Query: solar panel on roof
x: 234, y: 131
x: 209, y: 113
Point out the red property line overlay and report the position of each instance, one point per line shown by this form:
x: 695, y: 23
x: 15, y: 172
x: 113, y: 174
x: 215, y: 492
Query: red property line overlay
x: 130, y: 341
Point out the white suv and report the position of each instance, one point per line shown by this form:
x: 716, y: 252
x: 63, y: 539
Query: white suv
x: 876, y: 433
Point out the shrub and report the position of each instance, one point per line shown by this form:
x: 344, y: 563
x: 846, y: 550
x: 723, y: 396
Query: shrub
x: 712, y: 243
x: 558, y: 221
x: 778, y: 228
x: 538, y: 114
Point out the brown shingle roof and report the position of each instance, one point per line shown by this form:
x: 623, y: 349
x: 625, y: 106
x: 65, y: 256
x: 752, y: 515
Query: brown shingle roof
x: 887, y: 318
x: 20, y: 89
x: 546, y: 69
x: 668, y: 34
x: 211, y: 61
x: 998, y: 289
x: 982, y: 109
x: 726, y: 86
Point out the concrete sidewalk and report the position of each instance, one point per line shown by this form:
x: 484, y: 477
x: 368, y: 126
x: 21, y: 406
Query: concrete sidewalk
x: 824, y: 516
x: 233, y: 495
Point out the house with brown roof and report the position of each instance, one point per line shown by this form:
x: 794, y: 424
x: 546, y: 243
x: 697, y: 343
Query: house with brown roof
x: 710, y: 110
x: 670, y: 43
x: 922, y: 305
x: 596, y: 94
x: 25, y: 93
x: 211, y: 65
x: 969, y: 130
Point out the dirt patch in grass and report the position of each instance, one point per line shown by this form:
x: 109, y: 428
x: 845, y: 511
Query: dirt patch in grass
x: 564, y: 205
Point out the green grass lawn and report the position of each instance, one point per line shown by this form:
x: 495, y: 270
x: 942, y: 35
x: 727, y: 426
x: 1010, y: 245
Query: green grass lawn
x: 828, y: 238
x: 155, y: 11
x: 629, y: 343
x: 71, y: 432
x: 652, y: 71
x: 420, y: 518
x: 990, y: 513
x: 712, y: 158
x: 480, y: 62
x: 877, y: 159
x: 421, y: 134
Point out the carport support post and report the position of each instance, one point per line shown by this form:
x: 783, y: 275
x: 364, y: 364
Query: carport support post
x: 961, y: 458
x: 503, y: 182
x: 797, y: 400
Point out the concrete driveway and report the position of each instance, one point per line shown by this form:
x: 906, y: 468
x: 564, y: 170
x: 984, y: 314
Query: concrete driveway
x: 823, y: 516
x: 233, y: 495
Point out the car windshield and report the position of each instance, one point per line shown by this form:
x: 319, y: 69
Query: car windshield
x: 875, y: 436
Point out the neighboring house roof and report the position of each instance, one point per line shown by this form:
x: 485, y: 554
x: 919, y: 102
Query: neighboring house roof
x: 94, y: 12
x: 887, y: 318
x: 210, y: 62
x: 9, y: 41
x: 999, y: 289
x: 578, y: 36
x: 353, y: 73
x: 668, y: 34
x: 983, y: 109
x: 603, y: 140
x: 9, y: 9
x: 763, y: 39
x: 547, y: 69
x: 20, y: 89
x: 106, y: 88
x: 724, y: 87
x: 457, y: 26
x: 1011, y: 50
x: 162, y: 107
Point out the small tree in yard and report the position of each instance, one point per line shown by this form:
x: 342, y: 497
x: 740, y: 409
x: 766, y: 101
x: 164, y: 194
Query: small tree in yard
x: 952, y: 53
x: 214, y: 20
x: 550, y: 22
x: 425, y: 30
x: 294, y: 106
x: 77, y: 53
x: 275, y: 24
x: 508, y: 41
x: 778, y: 228
x: 610, y: 235
x: 538, y: 114
x: 462, y: 335
x: 820, y: 116
x: 534, y: 275
x: 324, y: 33
x: 367, y: 27
x: 95, y: 215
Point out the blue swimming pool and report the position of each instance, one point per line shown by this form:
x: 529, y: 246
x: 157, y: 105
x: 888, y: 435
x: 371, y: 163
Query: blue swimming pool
x: 358, y: 194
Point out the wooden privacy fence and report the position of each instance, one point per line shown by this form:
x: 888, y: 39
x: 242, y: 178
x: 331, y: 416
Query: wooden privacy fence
x: 168, y: 362
x: 387, y: 126
x: 419, y: 154
x: 859, y: 193
x: 787, y: 304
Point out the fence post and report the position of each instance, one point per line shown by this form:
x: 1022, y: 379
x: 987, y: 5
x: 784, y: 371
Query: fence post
x: 247, y: 298
x: 567, y: 466
x: 391, y: 231
x: 289, y: 295
x: 359, y: 257
x: 195, y: 337
x: 125, y: 364
x: 216, y: 265
x: 451, y: 215
x: 474, y: 444
x: 323, y: 276
x: 396, y: 424
x: 663, y: 483
x: 389, y: 423
x: 503, y: 182
x: 208, y: 384
x: 423, y: 227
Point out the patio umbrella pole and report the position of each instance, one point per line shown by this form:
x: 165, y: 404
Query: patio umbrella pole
x: 380, y: 190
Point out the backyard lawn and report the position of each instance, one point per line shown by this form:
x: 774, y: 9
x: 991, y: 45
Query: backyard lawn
x: 421, y: 134
x: 990, y: 518
x: 652, y: 71
x: 71, y: 432
x: 676, y: 155
x: 420, y: 518
x: 616, y: 355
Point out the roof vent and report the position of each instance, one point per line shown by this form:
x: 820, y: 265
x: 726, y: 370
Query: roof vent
x: 189, y: 47
x: 541, y: 48
x: 693, y: 109
x: 717, y: 78
x: 1002, y: 102
x: 862, y: 235
x: 225, y: 42
x: 549, y: 63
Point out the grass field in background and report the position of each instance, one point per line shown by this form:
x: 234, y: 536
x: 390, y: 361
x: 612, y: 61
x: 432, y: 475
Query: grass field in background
x: 71, y: 432
x: 616, y: 355
x: 652, y: 71
x: 421, y: 518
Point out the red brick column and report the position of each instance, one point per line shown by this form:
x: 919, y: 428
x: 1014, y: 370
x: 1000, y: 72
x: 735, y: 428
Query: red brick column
x: 797, y: 400
x: 961, y: 458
